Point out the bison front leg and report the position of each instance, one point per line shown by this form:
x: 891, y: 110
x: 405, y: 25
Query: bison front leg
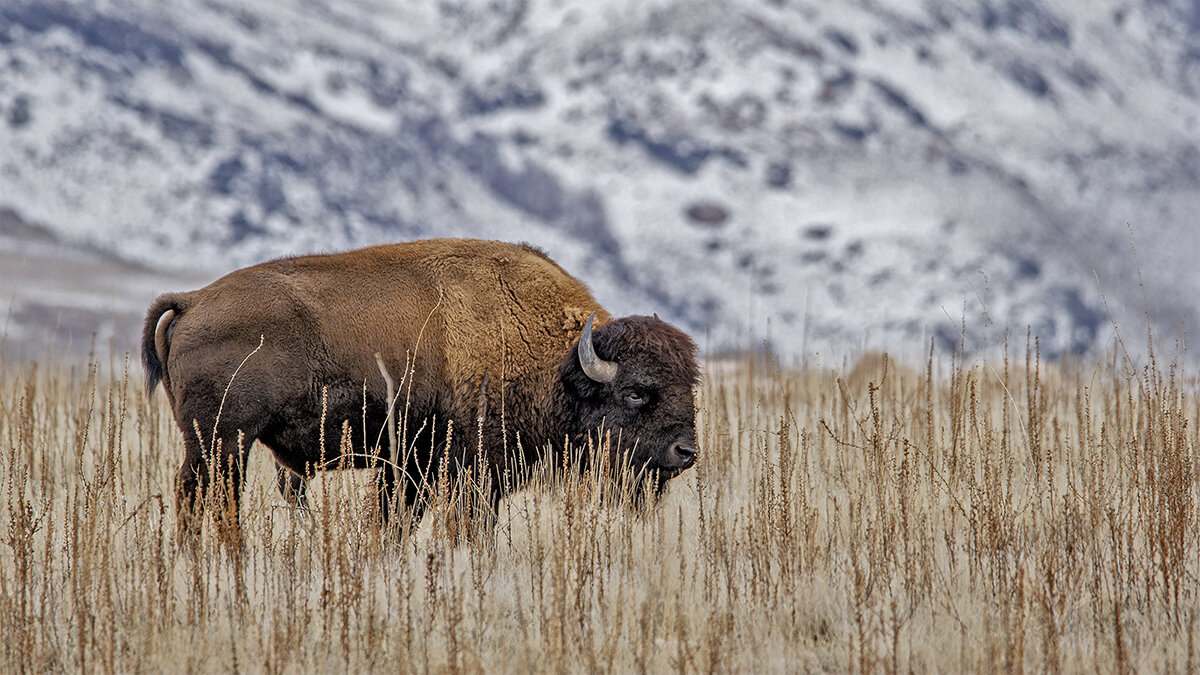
x: 292, y: 486
x: 415, y: 496
x: 385, y: 485
x: 467, y: 501
x: 480, y: 510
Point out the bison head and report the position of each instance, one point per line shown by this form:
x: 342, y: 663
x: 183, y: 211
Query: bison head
x: 635, y: 377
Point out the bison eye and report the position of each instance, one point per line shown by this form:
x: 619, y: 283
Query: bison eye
x: 635, y: 399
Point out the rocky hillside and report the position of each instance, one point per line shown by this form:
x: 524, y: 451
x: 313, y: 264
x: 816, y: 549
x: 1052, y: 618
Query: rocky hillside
x: 827, y: 176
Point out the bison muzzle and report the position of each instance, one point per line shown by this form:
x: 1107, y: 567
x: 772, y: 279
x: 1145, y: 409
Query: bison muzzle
x: 501, y: 360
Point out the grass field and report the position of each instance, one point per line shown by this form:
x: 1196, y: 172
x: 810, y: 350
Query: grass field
x: 954, y: 517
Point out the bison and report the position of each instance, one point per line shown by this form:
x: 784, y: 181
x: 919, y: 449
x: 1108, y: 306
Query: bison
x: 502, y: 358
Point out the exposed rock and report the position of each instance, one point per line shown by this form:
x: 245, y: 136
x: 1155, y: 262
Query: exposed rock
x: 707, y: 213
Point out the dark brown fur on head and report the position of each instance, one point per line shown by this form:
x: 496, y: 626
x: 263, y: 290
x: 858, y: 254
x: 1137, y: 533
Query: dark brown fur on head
x: 650, y: 401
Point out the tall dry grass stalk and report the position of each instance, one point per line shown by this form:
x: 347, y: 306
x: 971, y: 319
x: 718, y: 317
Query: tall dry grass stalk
x: 959, y: 518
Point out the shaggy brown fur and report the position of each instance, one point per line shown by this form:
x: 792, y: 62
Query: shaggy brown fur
x: 487, y: 327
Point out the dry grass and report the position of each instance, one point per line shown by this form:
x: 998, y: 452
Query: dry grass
x: 960, y: 518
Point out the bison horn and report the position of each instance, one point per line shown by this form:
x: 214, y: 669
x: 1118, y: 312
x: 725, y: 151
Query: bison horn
x: 593, y: 366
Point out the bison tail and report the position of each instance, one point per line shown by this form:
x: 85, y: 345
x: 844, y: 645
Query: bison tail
x: 156, y: 338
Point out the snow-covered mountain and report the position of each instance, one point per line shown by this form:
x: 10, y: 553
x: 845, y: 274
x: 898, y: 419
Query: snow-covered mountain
x: 831, y: 176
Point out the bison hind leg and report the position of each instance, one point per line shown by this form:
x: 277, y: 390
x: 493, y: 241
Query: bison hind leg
x: 211, y: 481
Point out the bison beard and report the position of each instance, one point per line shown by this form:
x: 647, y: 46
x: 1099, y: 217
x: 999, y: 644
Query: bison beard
x: 486, y: 339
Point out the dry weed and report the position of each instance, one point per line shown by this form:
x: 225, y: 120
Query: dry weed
x: 957, y: 518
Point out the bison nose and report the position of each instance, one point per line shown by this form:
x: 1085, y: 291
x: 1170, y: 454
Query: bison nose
x: 685, y: 452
